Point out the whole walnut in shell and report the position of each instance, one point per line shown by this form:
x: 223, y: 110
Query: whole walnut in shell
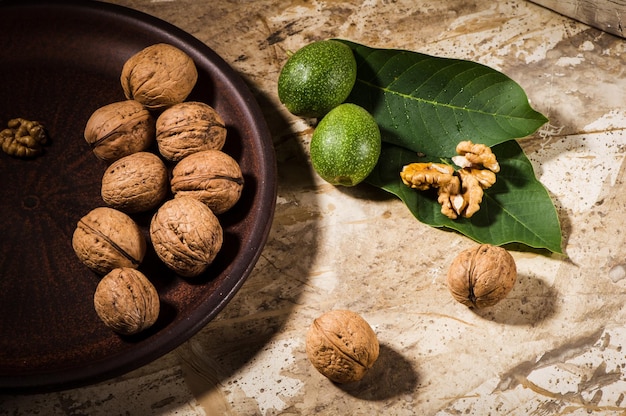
x: 482, y: 275
x: 126, y: 301
x: 106, y: 239
x: 188, y: 128
x: 135, y: 183
x: 120, y: 129
x: 159, y: 76
x: 211, y: 176
x: 186, y: 235
x: 342, y: 346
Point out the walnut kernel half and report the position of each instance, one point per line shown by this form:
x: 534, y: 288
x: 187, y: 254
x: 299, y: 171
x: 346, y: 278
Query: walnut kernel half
x: 23, y: 138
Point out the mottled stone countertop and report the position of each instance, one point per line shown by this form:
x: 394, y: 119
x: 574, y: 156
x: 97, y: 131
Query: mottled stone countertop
x: 555, y: 346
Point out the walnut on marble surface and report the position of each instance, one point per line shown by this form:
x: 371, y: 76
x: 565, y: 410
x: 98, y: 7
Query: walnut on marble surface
x: 186, y: 235
x: 211, y: 176
x: 482, y: 275
x: 105, y: 239
x: 119, y: 129
x: 159, y: 76
x: 135, y: 183
x: 342, y: 346
x: 188, y: 128
x: 126, y: 301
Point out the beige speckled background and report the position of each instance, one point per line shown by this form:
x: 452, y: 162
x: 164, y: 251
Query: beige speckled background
x: 555, y: 346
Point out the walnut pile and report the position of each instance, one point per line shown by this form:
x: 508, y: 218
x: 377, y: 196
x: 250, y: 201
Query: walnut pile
x: 143, y: 139
x: 23, y: 138
x: 482, y: 275
x: 459, y: 192
x: 342, y: 346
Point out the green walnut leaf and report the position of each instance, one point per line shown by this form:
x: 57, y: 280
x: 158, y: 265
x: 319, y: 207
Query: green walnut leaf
x: 517, y: 208
x: 426, y: 105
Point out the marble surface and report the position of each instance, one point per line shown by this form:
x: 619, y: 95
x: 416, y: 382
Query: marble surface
x: 555, y: 346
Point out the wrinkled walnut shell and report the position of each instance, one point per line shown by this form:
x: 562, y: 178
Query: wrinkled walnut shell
x: 158, y: 76
x: 186, y: 235
x: 126, y: 301
x: 482, y: 275
x: 106, y: 239
x: 211, y: 176
x: 119, y: 129
x: 188, y: 128
x: 342, y: 346
x: 135, y: 183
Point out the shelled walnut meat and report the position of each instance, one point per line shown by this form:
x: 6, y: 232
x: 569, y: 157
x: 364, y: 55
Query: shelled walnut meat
x: 482, y: 275
x: 126, y: 301
x: 119, y: 129
x: 158, y: 76
x: 135, y: 183
x: 23, y: 138
x: 459, y: 192
x: 211, y: 176
x: 105, y: 239
x: 187, y: 128
x: 342, y: 346
x: 186, y: 235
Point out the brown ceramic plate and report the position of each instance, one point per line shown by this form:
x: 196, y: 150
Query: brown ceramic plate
x: 58, y: 63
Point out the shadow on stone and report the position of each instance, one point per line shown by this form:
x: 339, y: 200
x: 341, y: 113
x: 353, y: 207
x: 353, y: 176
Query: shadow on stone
x: 529, y: 303
x: 392, y: 375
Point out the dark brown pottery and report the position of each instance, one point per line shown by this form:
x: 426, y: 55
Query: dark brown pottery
x: 59, y: 62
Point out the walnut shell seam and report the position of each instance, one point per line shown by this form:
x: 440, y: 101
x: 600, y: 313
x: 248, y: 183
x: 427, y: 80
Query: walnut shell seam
x: 123, y: 252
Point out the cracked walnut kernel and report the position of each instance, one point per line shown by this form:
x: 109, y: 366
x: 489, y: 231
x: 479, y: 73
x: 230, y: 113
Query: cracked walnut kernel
x: 475, y: 155
x: 23, y: 138
x: 458, y: 192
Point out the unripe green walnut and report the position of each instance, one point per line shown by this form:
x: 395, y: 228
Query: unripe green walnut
x: 345, y: 145
x: 317, y: 78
